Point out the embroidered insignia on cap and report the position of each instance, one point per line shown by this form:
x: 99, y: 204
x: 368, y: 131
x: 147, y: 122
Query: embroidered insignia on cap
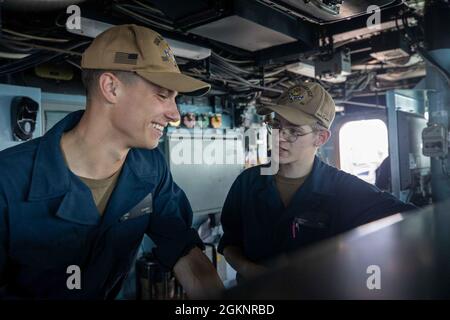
x: 158, y: 40
x: 295, y: 94
x: 168, y: 56
x: 126, y: 58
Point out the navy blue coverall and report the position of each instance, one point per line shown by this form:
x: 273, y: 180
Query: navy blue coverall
x: 49, y: 221
x: 329, y: 202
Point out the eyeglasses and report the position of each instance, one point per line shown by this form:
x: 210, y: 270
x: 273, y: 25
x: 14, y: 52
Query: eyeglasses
x: 289, y: 134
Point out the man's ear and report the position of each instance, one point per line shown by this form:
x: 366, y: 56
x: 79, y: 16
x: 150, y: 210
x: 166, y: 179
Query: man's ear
x: 109, y: 87
x: 322, y: 137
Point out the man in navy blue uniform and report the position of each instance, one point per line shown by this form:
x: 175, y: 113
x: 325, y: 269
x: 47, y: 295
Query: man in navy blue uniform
x: 80, y: 198
x: 272, y: 211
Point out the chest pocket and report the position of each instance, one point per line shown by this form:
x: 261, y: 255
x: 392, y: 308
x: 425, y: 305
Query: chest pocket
x: 306, y: 227
x: 309, y: 227
x: 128, y: 233
x: 145, y: 207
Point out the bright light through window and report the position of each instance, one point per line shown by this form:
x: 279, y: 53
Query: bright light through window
x: 363, y: 145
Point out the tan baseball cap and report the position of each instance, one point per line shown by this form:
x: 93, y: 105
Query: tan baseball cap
x: 143, y: 51
x: 304, y: 104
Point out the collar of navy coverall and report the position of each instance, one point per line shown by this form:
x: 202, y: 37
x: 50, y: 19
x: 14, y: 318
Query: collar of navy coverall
x: 313, y: 189
x: 52, y: 178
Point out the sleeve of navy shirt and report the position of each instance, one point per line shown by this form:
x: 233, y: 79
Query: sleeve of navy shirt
x: 171, y: 221
x: 361, y: 203
x: 231, y: 218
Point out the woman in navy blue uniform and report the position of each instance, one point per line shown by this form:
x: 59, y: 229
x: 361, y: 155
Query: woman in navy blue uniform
x: 273, y: 210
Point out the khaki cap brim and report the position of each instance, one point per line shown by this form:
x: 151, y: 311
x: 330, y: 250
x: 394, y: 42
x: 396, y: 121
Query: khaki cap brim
x: 176, y: 82
x: 292, y: 115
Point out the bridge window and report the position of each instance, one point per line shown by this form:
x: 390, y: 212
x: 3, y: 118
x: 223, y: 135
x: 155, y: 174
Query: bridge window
x: 363, y: 145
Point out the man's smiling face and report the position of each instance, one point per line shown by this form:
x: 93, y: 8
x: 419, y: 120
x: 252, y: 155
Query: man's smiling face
x: 142, y: 112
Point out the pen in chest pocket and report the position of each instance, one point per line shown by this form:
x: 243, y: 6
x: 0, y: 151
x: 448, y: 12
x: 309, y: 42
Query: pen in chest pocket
x: 294, y: 228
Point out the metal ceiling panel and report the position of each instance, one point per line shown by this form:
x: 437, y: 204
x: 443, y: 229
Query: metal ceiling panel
x: 242, y: 33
